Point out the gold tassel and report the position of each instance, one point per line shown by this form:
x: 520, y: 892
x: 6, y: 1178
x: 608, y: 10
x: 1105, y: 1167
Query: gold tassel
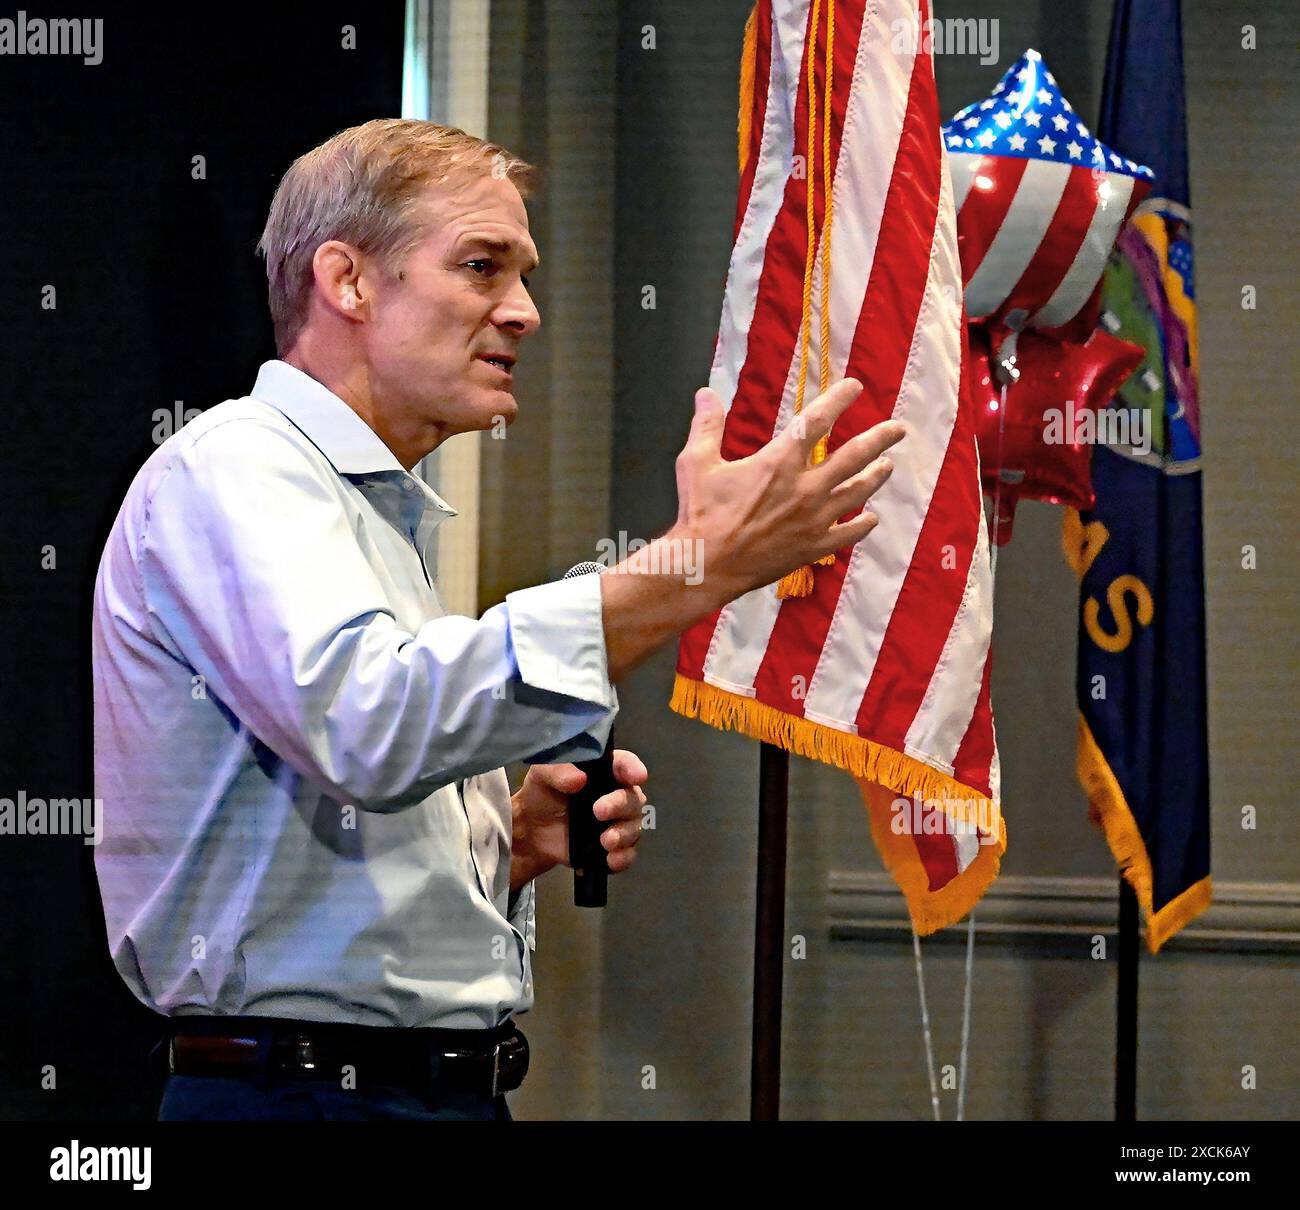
x: 819, y: 455
x: 748, y: 66
x: 798, y: 583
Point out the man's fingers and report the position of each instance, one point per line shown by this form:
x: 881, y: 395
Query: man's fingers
x: 852, y: 475
x: 620, y: 841
x: 706, y: 425
x: 629, y: 769
x: 815, y: 421
x: 620, y: 860
x: 852, y: 494
x: 566, y: 779
x: 620, y: 804
x: 621, y: 836
x: 847, y: 533
x: 860, y: 451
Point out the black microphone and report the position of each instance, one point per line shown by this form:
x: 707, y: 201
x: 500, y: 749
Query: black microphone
x: 587, y: 855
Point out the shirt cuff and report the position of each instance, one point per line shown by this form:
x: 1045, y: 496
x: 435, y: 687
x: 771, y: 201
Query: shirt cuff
x: 558, y: 633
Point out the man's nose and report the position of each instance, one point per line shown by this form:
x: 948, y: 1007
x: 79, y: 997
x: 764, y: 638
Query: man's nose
x: 518, y: 312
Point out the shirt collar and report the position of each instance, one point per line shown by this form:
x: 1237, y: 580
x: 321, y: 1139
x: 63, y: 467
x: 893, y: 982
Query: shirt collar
x: 351, y: 445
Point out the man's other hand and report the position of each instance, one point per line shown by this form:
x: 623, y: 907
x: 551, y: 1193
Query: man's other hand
x: 541, y: 817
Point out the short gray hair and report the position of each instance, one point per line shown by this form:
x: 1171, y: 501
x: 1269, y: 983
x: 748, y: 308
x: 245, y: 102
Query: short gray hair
x: 363, y: 186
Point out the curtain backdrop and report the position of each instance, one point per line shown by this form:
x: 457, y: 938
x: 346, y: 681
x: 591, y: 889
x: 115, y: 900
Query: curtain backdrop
x: 160, y: 303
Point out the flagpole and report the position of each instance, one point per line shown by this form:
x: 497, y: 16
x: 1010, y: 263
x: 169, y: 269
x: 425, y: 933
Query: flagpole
x: 1126, y: 1007
x: 769, y: 934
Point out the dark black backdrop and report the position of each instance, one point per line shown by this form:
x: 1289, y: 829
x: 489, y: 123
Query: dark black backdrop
x: 160, y: 297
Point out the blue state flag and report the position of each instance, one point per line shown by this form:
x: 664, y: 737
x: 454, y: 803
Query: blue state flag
x: 1143, y: 757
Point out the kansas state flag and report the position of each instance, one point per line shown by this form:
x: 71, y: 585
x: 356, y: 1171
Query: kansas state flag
x: 1143, y: 759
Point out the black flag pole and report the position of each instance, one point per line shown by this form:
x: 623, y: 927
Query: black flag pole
x: 1126, y: 1006
x: 769, y: 934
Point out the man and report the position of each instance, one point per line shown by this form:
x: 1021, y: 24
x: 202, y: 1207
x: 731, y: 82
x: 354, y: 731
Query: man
x: 312, y: 860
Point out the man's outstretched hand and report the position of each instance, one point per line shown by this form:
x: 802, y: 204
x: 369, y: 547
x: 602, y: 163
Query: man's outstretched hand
x: 541, y: 817
x: 757, y: 518
x: 746, y: 522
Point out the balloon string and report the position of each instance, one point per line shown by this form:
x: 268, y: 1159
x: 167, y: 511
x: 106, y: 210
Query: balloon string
x: 970, y: 924
x: 925, y: 1026
x: 965, y: 1017
x: 997, y: 489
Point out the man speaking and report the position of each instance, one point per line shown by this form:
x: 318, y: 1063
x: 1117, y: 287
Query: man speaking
x: 312, y: 863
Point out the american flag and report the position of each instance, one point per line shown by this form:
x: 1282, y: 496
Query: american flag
x: 1040, y: 199
x: 883, y: 670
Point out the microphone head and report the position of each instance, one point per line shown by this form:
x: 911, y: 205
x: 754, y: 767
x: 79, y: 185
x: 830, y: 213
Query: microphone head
x: 583, y: 569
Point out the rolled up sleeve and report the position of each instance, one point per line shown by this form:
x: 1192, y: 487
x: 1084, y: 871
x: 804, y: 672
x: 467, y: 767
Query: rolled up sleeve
x: 254, y: 577
x: 557, y: 632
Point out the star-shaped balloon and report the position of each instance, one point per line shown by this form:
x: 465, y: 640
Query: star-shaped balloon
x: 1040, y: 446
x: 1040, y: 202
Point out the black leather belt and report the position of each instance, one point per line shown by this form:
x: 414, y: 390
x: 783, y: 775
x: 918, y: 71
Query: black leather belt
x: 485, y: 1061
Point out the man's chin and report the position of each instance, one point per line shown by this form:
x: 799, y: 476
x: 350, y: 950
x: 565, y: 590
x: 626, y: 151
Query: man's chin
x: 499, y: 412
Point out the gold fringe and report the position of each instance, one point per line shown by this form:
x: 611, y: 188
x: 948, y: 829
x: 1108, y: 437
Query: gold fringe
x: 882, y: 775
x: 1072, y: 539
x: 748, y: 68
x: 1179, y: 912
x: 930, y: 910
x: 1110, y: 811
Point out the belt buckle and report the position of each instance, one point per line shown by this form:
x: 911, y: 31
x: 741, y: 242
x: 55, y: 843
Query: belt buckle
x: 304, y: 1053
x: 476, y: 1060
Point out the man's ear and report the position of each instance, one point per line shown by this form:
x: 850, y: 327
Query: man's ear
x: 336, y: 267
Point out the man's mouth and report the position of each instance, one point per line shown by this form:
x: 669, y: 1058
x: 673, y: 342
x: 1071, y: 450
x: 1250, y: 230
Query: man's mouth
x: 503, y: 361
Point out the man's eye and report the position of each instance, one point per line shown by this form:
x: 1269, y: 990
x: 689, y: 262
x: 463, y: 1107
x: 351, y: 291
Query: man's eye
x: 482, y: 265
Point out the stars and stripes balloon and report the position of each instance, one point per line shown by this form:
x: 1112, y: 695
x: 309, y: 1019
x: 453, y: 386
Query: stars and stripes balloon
x: 1040, y: 202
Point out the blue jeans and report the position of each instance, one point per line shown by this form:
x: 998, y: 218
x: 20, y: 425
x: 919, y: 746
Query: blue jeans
x: 225, y: 1099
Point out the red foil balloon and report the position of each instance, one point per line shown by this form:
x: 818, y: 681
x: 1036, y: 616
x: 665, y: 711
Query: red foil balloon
x: 1041, y: 449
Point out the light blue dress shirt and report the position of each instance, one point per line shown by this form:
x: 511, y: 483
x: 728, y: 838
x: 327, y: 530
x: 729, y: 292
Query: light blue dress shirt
x: 298, y: 751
